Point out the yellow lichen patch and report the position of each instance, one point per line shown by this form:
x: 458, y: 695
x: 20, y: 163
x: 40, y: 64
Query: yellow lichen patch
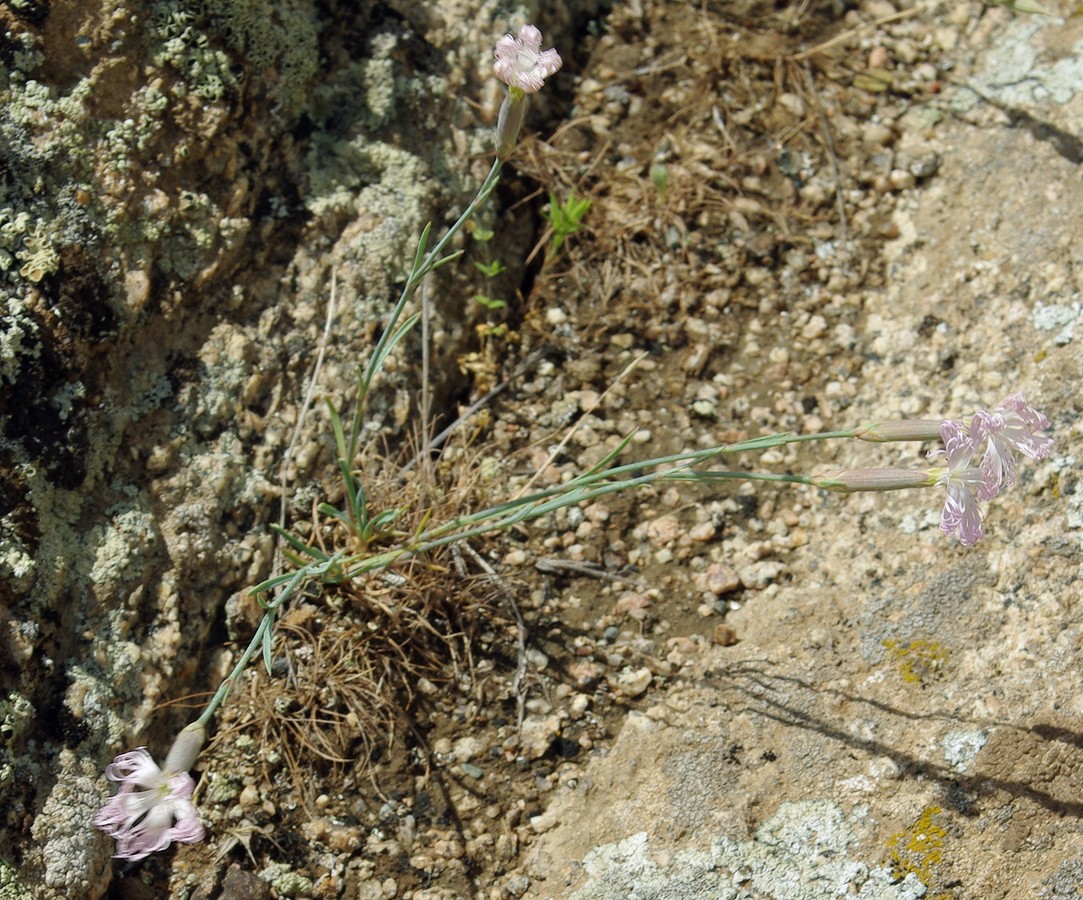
x: 918, y: 660
x: 919, y: 849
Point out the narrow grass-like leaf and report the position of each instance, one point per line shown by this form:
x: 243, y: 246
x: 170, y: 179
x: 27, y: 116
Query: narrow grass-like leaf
x: 384, y: 351
x: 265, y: 586
x: 336, y: 427
x: 422, y: 245
x: 610, y: 457
x: 326, y: 509
x: 444, y: 260
x: 360, y: 502
x: 383, y: 520
x: 268, y: 638
x: 297, y: 544
x: 352, y: 487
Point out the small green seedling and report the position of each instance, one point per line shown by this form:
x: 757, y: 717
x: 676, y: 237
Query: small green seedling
x: 493, y: 331
x: 660, y: 179
x: 564, y: 219
x: 479, y: 232
x: 491, y: 269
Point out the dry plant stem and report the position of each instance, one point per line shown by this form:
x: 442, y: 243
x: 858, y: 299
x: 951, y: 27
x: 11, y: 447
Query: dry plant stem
x: 554, y: 566
x: 268, y: 619
x: 829, y: 140
x: 520, y: 668
x: 436, y: 442
x: 571, y: 431
x: 853, y: 32
x: 306, y: 405
x: 356, y: 512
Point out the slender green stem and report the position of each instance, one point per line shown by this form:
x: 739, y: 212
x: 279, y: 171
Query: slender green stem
x: 296, y: 579
x: 226, y: 686
x: 681, y: 461
x: 420, y: 270
x: 348, y: 448
x: 535, y: 506
x: 427, y: 542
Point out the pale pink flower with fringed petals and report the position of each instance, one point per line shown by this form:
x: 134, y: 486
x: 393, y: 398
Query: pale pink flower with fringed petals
x: 965, y: 483
x: 153, y: 807
x: 1010, y: 428
x: 522, y: 64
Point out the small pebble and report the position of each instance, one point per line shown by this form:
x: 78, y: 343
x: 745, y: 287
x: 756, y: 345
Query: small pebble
x: 925, y: 166
x: 901, y: 179
x: 632, y: 601
x: 703, y: 532
x: 879, y: 58
x: 468, y: 748
x: 545, y: 822
x: 724, y: 635
x: 662, y: 530
x: 633, y: 682
x: 721, y: 579
x: 538, y: 735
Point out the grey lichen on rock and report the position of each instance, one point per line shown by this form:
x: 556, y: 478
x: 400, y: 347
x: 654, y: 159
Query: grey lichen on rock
x: 382, y: 190
x: 124, y: 195
x: 11, y: 886
x: 16, y: 712
x: 266, y: 36
x: 73, y: 865
x: 804, y: 852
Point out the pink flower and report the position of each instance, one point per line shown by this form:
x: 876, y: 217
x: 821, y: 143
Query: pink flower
x: 154, y: 806
x: 964, y: 481
x: 1012, y: 426
x: 520, y: 62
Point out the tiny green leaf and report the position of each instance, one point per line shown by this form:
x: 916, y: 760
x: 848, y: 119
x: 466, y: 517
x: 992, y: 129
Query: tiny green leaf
x: 490, y: 302
x: 564, y: 219
x: 479, y: 232
x: 490, y: 270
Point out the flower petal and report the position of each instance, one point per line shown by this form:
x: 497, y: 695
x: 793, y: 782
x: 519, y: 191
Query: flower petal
x: 521, y: 63
x: 148, y: 820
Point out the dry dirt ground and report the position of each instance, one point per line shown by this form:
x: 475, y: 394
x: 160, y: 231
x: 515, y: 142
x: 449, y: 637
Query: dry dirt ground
x: 804, y: 216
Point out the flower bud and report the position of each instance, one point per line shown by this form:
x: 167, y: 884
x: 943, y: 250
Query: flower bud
x: 185, y: 750
x: 510, y: 121
x: 848, y: 481
x: 900, y: 430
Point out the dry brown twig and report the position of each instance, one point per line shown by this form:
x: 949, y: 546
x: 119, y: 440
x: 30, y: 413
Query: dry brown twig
x: 832, y: 153
x: 521, y: 632
x: 556, y: 451
x: 854, y: 32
